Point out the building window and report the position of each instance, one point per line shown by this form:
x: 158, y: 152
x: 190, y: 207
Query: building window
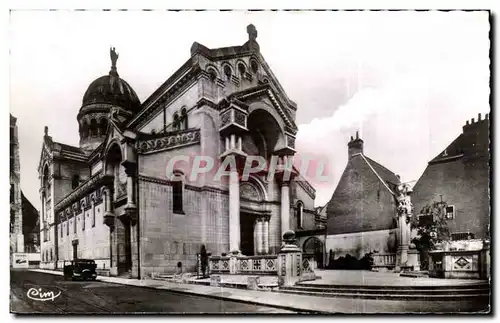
x: 212, y: 74
x: 83, y: 219
x: 177, y: 195
x: 462, y: 236
x: 51, y: 254
x: 67, y: 228
x: 184, y: 119
x: 62, y: 225
x: 228, y: 72
x: 74, y: 223
x: 75, y: 182
x: 93, y: 214
x: 300, y: 214
x: 176, y: 122
x: 242, y: 70
x: 450, y: 212
x: 12, y: 193
x: 254, y: 66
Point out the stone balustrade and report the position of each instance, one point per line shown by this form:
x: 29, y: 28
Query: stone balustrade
x: 387, y: 260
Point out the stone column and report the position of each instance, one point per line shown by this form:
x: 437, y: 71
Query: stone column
x: 130, y: 171
x: 258, y: 236
x: 234, y: 212
x: 285, y: 206
x: 266, y: 236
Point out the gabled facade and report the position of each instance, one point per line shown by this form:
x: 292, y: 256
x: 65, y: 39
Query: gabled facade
x: 361, y: 215
x: 116, y: 200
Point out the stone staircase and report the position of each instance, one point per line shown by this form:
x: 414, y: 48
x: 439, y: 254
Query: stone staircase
x: 473, y: 292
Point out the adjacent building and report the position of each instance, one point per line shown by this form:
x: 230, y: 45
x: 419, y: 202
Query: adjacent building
x: 24, y: 232
x: 460, y: 176
x: 361, y: 215
x: 113, y: 199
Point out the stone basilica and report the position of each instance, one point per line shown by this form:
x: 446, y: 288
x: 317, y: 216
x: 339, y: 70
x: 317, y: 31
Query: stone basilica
x: 114, y: 200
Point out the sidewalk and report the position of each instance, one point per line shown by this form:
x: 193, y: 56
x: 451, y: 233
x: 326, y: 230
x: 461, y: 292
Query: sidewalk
x: 293, y: 302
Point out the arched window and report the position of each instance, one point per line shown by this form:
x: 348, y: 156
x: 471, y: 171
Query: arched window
x: 254, y: 66
x: 228, y: 72
x: 177, y: 192
x: 184, y: 119
x: 241, y: 69
x: 93, y: 128
x: 85, y: 130
x: 299, y: 214
x: 213, y: 74
x: 103, y: 126
x: 175, y: 125
x: 75, y: 182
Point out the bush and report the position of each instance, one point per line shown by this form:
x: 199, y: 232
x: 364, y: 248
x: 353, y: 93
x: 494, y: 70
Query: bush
x: 351, y: 263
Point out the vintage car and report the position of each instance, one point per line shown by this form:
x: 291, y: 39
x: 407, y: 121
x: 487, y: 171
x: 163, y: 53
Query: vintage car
x: 83, y: 269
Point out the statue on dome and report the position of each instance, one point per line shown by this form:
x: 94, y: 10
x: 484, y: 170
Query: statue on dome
x: 114, y: 56
x: 252, y: 32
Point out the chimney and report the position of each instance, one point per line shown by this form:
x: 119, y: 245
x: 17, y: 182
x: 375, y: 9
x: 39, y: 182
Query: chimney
x: 479, y: 117
x: 355, y: 146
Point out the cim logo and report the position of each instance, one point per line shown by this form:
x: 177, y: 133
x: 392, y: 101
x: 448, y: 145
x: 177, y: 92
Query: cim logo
x: 39, y: 294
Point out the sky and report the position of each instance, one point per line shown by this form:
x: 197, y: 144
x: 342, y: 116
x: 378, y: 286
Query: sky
x: 407, y: 81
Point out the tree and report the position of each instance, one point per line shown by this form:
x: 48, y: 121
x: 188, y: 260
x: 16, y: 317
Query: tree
x: 203, y: 260
x: 431, y: 227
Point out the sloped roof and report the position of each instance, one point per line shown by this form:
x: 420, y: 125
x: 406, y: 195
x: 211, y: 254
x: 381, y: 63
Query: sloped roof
x: 69, y: 148
x: 387, y: 177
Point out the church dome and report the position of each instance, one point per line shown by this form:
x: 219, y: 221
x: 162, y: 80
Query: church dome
x: 111, y: 89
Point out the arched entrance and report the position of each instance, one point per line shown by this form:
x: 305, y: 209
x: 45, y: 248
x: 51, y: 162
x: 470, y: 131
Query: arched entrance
x: 254, y: 219
x: 314, y: 247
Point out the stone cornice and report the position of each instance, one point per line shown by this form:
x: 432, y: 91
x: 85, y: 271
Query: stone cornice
x: 91, y: 184
x: 166, y: 93
x: 307, y: 188
x: 168, y: 141
x: 154, y: 180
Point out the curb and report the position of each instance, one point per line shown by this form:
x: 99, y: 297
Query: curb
x: 284, y: 307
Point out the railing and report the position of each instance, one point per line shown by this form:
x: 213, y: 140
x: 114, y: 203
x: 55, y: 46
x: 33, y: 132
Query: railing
x: 309, y: 263
x: 263, y: 264
x: 258, y: 264
x: 384, y: 260
x: 218, y: 264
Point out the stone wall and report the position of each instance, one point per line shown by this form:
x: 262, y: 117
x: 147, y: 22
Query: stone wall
x: 360, y: 243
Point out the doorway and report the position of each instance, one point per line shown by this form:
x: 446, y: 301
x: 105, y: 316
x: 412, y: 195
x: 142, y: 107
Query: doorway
x: 75, y: 250
x: 247, y: 223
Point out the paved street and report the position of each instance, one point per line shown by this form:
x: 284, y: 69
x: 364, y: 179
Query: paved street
x: 100, y: 297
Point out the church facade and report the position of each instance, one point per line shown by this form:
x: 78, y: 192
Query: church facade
x: 119, y: 199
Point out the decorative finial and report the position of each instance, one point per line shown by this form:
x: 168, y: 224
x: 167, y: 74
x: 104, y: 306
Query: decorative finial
x: 252, y: 32
x: 46, y: 130
x: 114, y: 57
